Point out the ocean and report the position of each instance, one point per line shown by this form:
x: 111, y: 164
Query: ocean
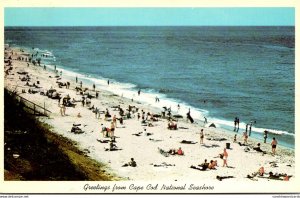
x: 218, y: 72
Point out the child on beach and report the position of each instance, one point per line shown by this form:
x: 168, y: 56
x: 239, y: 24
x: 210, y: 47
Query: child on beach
x: 274, y: 144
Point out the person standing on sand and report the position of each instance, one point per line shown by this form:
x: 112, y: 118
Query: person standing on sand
x: 61, y: 109
x: 115, y: 120
x: 104, y: 131
x: 94, y: 86
x: 64, y: 109
x: 201, y: 136
x: 112, y: 129
x: 138, y: 116
x: 235, y: 123
x: 82, y: 101
x: 96, y: 112
x: 205, y: 120
x: 274, y: 145
x: 76, y: 79
x: 225, y: 156
x: 245, y: 138
x: 265, y: 136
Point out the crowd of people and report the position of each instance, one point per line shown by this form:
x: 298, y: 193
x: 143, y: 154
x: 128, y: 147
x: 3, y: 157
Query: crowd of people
x: 110, y: 122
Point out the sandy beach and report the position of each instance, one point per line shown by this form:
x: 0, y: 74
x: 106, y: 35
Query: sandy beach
x: 134, y: 142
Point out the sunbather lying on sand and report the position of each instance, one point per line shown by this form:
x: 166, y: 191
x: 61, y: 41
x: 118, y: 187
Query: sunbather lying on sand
x: 260, y: 172
x: 174, y: 152
x: 187, y: 142
x: 279, y: 176
x: 112, y: 147
x: 258, y: 149
x: 220, y: 178
x: 202, y: 167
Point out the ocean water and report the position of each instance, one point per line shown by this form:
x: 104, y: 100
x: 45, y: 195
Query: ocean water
x: 219, y: 72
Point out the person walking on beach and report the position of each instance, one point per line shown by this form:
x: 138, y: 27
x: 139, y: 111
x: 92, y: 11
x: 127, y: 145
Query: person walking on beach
x: 156, y: 99
x: 238, y: 124
x: 80, y: 84
x: 76, y: 79
x: 189, y: 117
x: 107, y: 82
x: 265, y: 136
x: 139, y: 91
x: 201, y: 136
x: 205, y: 120
x: 274, y: 145
x: 94, y: 86
x: 235, y: 124
x: 225, y: 156
x: 96, y: 112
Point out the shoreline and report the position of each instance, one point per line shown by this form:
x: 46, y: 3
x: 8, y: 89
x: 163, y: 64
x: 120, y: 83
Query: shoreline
x: 257, y: 136
x: 137, y: 147
x: 198, y: 114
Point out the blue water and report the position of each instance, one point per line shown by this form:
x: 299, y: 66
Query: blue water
x: 218, y: 72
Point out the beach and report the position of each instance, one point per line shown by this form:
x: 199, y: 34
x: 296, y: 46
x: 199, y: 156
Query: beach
x: 132, y: 140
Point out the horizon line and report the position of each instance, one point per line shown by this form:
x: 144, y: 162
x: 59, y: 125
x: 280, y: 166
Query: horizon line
x: 152, y: 26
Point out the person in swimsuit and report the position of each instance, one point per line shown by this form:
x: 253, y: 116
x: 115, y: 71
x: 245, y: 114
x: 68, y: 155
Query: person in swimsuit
x: 225, y: 156
x: 274, y: 144
x: 201, y: 136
